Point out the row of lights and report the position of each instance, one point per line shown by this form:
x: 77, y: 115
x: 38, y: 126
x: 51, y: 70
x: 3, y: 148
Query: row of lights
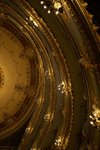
x: 95, y: 120
x: 46, y: 117
x: 39, y: 101
x: 58, y: 142
x: 47, y: 74
x: 52, y: 6
x: 31, y: 21
x: 61, y: 87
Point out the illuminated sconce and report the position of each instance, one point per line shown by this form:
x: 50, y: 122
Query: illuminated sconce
x: 27, y: 130
x: 38, y: 101
x: 47, y: 74
x: 95, y: 119
x: 31, y: 21
x: 34, y: 21
x: 58, y: 141
x: 54, y: 5
x: 46, y: 117
x: 61, y: 87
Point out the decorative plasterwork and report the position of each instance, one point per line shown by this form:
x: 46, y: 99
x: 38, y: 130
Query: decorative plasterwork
x: 89, y: 19
x: 65, y: 77
x: 88, y: 40
x: 17, y: 78
x: 24, y: 108
x: 67, y: 106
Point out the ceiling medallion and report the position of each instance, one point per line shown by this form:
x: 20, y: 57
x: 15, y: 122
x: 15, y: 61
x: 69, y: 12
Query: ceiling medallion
x: 2, y: 79
x: 17, y: 71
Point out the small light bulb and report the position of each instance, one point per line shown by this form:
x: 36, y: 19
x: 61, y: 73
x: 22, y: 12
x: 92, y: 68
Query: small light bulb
x: 57, y: 12
x: 26, y: 18
x: 91, y: 122
x: 45, y: 6
x: 42, y: 2
x: 49, y: 11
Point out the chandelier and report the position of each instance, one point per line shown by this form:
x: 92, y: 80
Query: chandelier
x: 95, y: 119
x: 52, y: 5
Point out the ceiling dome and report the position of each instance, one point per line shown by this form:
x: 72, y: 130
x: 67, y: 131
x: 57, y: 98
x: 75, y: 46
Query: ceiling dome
x: 18, y: 78
x: 49, y: 74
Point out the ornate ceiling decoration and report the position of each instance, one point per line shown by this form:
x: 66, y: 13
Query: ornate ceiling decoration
x: 29, y: 86
x: 18, y: 77
x: 49, y: 70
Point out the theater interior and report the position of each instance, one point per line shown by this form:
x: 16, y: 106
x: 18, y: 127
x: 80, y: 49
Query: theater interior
x: 49, y: 75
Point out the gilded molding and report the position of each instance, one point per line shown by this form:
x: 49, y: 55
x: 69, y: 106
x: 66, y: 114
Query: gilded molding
x: 65, y: 76
x: 60, y: 58
x: 89, y: 19
x: 7, y: 8
x: 91, y: 47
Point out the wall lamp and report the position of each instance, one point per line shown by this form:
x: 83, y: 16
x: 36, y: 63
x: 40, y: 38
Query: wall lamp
x: 52, y: 5
x: 95, y: 119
